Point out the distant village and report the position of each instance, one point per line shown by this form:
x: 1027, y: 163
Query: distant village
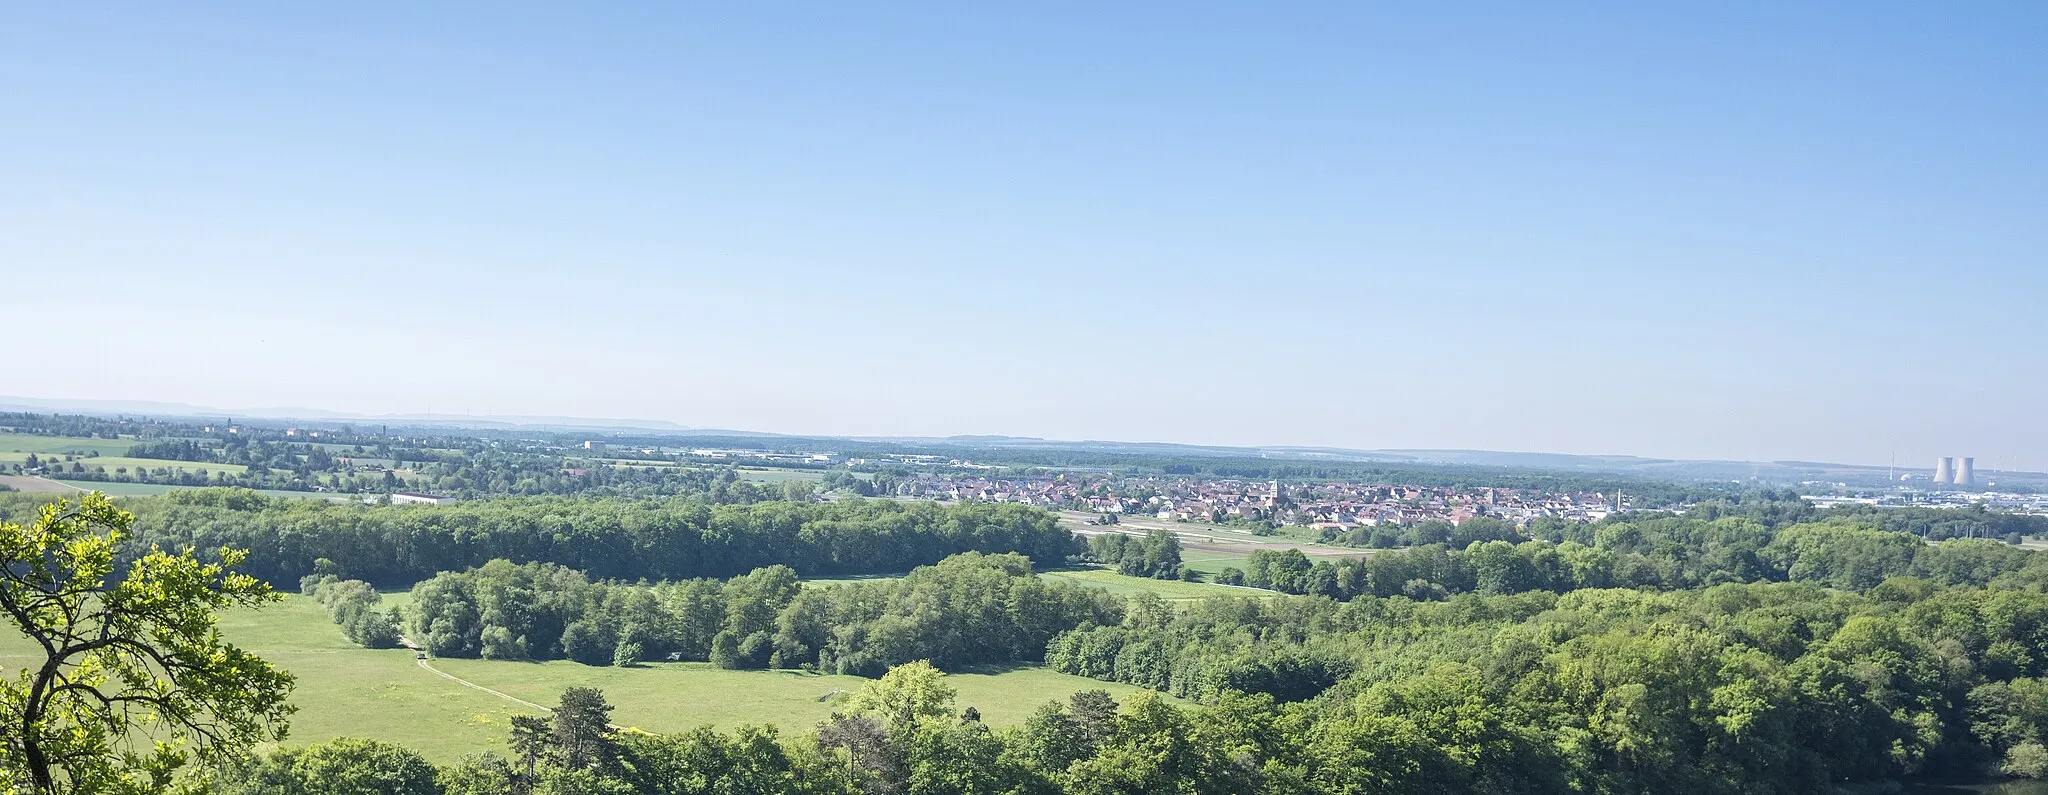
x: 1324, y: 505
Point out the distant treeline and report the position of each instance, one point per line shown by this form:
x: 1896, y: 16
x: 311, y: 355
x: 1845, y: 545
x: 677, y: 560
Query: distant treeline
x: 609, y: 538
x: 1740, y: 538
x: 1767, y: 507
x: 1661, y: 553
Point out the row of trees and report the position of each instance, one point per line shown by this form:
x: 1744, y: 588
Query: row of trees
x: 355, y: 606
x: 970, y: 608
x: 1651, y: 550
x: 1767, y: 508
x: 609, y: 538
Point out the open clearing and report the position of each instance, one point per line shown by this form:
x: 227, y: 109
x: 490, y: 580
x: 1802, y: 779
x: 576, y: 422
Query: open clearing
x: 346, y: 691
x: 848, y: 579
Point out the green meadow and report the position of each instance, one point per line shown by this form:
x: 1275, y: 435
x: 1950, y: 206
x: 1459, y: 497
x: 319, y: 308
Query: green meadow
x: 347, y: 691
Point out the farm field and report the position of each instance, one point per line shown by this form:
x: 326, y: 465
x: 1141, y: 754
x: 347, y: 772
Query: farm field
x: 771, y: 475
x: 152, y: 489
x: 30, y: 484
x: 1201, y: 532
x: 346, y: 691
x: 25, y: 443
x: 112, y: 462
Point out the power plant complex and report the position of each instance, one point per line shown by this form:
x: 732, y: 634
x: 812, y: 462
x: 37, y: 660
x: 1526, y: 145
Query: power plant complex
x: 1955, y: 471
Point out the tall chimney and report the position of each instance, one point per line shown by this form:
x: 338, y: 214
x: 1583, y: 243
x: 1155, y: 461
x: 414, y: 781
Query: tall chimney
x: 1945, y: 470
x: 1966, y: 471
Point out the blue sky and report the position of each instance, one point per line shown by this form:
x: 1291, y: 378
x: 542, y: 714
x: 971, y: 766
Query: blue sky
x: 1724, y: 230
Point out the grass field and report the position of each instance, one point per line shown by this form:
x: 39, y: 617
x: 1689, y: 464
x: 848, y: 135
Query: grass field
x: 1212, y: 563
x: 346, y: 691
x: 1126, y: 585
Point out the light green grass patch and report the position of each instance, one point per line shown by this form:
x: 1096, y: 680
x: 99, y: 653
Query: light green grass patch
x: 1212, y: 563
x: 1126, y: 585
x: 820, y: 582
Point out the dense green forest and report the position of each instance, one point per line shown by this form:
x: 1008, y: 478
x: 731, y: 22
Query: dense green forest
x: 1851, y: 654
x: 1642, y: 654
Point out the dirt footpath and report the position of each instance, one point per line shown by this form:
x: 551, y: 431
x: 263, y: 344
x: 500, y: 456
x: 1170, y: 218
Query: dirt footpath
x: 33, y: 485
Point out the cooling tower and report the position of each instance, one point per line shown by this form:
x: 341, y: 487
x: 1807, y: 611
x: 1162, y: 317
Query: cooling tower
x: 1966, y: 471
x: 1944, y: 470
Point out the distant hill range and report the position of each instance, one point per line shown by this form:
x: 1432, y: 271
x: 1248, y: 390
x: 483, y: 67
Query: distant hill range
x: 664, y: 432
x: 147, y: 408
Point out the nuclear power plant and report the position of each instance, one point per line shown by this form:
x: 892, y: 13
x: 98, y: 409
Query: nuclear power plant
x: 1955, y: 471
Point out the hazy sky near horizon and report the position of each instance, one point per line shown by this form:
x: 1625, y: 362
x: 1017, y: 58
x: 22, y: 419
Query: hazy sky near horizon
x: 1726, y: 230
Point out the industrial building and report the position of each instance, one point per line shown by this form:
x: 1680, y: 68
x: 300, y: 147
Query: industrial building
x: 1955, y: 471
